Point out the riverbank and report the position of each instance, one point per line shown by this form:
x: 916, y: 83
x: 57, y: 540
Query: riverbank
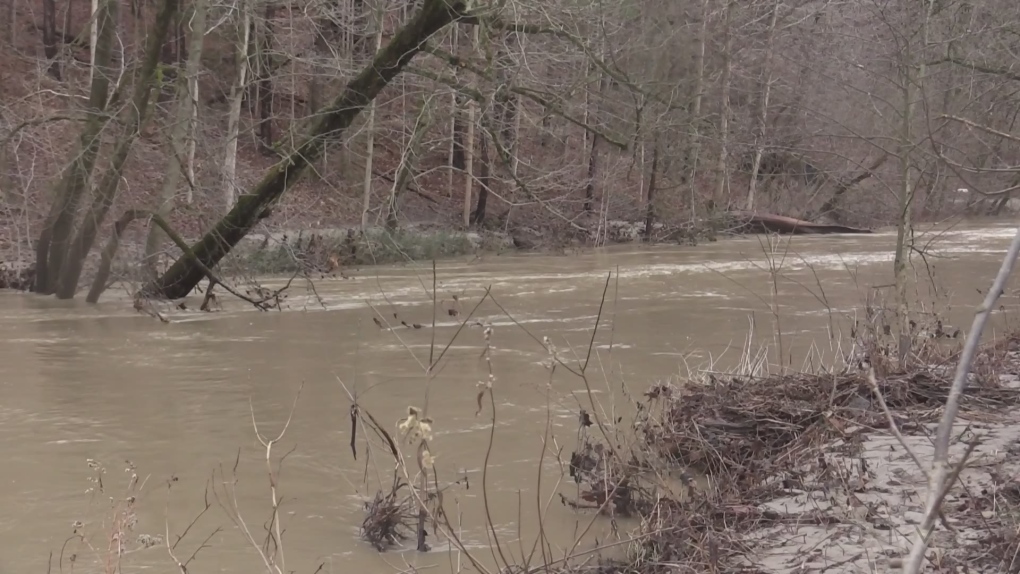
x: 333, y: 250
x: 329, y: 250
x: 803, y: 474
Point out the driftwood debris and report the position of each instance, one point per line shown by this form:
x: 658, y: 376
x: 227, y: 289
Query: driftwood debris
x: 770, y: 223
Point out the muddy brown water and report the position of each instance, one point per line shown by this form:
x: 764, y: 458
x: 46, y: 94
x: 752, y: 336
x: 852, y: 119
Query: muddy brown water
x: 104, y: 383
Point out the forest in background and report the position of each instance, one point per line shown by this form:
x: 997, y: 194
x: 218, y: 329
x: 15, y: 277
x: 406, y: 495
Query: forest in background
x: 560, y: 117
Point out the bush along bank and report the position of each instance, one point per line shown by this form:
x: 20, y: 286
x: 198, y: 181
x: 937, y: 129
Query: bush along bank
x: 801, y: 472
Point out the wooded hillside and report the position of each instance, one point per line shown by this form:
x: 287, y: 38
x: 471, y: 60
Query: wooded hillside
x: 556, y: 115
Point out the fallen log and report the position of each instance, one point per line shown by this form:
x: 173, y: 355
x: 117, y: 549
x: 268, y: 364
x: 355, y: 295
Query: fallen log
x: 771, y: 223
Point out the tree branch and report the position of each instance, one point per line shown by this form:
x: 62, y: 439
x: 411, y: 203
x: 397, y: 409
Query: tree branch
x: 975, y: 125
x: 1002, y: 72
x: 550, y: 106
x: 523, y: 28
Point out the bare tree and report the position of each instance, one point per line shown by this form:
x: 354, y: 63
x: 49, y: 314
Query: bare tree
x: 55, y: 236
x: 366, y: 198
x: 180, y: 148
x: 763, y: 110
x: 237, y: 90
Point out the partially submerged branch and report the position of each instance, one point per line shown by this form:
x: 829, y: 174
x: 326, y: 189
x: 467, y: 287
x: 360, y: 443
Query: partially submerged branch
x: 101, y: 282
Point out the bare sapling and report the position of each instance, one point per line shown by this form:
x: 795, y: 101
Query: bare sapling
x: 941, y: 469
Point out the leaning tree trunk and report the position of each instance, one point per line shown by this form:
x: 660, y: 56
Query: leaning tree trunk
x: 55, y: 236
x: 136, y: 115
x: 186, y: 272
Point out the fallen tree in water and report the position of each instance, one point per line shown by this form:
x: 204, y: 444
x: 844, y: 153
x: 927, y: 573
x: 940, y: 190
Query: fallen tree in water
x: 770, y: 223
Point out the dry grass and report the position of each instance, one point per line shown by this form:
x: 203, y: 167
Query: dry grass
x: 748, y: 428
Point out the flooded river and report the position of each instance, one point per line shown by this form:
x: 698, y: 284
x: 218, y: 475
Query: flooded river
x: 106, y: 384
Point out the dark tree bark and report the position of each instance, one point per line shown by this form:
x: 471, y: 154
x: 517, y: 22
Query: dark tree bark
x: 457, y: 160
x: 484, y: 180
x: 265, y: 84
x: 358, y: 39
x: 589, y: 188
x: 50, y: 37
x: 181, y: 40
x: 650, y: 196
x: 831, y: 206
x: 332, y: 120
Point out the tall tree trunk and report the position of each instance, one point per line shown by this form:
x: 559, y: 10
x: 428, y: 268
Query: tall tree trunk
x: 134, y: 117
x: 589, y: 187
x: 176, y: 150
x: 265, y: 81
x: 484, y: 181
x: 507, y: 101
x: 409, y: 162
x: 457, y: 125
x: 721, y: 198
x: 763, y: 110
x: 94, y: 37
x: 361, y: 16
x: 12, y: 22
x: 650, y: 194
x: 469, y: 144
x: 192, y: 129
x: 50, y: 37
x: 366, y: 199
x: 469, y: 161
x: 910, y: 88
x: 187, y: 271
x: 695, y: 117
x: 230, y: 187
x: 55, y: 235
